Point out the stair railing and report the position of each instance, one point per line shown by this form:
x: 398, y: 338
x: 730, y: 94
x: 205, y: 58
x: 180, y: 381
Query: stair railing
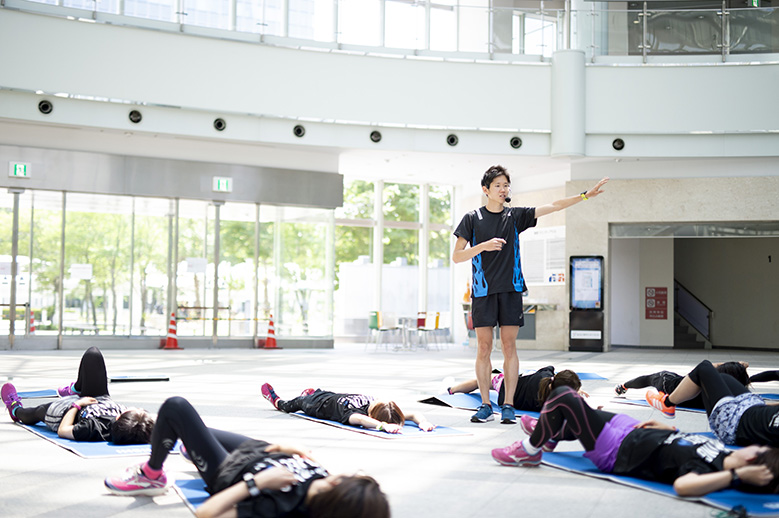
x: 693, y: 310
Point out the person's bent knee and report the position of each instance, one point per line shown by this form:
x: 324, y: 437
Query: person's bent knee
x: 174, y: 404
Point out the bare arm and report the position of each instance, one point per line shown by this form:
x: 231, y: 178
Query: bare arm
x: 461, y: 253
x: 65, y: 429
x: 222, y: 504
x: 371, y: 423
x: 564, y: 203
x: 695, y: 484
x: 421, y: 421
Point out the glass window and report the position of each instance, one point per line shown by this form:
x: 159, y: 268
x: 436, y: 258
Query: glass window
x: 206, y: 13
x: 312, y: 19
x: 260, y: 16
x: 191, y: 270
x: 404, y: 25
x: 358, y: 22
x: 443, y: 26
x: 400, y: 274
x: 474, y: 26
x: 150, y: 259
x: 152, y: 9
x: 303, y: 306
x: 401, y: 202
x: 104, y: 6
x: 354, y: 279
x: 45, y: 275
x: 22, y: 261
x: 97, y: 264
x: 236, y: 269
x: 540, y: 35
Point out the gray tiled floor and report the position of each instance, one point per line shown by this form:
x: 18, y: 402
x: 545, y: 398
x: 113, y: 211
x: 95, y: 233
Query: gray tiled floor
x: 446, y: 476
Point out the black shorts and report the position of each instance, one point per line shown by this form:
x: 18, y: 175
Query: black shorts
x: 503, y: 309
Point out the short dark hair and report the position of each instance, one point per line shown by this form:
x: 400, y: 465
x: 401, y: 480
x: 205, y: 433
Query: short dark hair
x: 735, y: 369
x: 564, y: 378
x: 358, y: 496
x: 770, y: 459
x: 387, y: 412
x: 132, y: 427
x: 492, y: 173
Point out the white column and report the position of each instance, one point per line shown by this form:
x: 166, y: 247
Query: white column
x: 567, y: 106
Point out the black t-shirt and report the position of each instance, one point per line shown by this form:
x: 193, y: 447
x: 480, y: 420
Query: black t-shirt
x: 526, y: 394
x: 250, y: 457
x: 759, y: 425
x: 499, y: 271
x: 93, y: 422
x: 665, y: 455
x: 336, y: 407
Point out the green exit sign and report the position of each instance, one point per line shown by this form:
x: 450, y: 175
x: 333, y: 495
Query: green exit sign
x: 222, y: 184
x: 754, y: 3
x: 18, y: 169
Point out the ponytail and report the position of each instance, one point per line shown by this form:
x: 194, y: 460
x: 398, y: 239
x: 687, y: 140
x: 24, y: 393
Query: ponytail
x: 565, y: 378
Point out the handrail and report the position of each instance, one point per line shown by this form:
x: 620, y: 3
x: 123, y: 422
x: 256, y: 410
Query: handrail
x: 693, y: 310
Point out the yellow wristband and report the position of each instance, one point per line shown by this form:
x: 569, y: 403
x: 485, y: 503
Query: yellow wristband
x: 584, y: 195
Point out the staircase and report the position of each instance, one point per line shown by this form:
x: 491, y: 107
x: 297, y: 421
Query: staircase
x: 685, y: 337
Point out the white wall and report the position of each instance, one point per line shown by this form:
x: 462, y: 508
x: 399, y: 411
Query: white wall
x: 625, y: 268
x: 736, y: 280
x: 656, y: 271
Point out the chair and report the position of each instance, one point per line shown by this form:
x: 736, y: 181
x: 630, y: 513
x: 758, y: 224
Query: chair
x: 432, y: 320
x: 380, y: 324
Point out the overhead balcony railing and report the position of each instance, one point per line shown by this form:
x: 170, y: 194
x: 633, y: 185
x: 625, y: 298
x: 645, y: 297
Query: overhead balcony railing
x: 448, y: 29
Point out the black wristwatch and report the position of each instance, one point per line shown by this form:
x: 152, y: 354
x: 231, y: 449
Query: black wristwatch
x: 735, y: 480
x: 251, y: 484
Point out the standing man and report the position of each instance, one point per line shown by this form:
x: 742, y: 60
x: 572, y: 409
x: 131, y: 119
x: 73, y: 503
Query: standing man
x: 493, y: 232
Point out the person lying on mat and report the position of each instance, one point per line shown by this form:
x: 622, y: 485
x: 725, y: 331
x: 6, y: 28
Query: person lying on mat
x: 532, y: 389
x: 248, y: 477
x: 85, y: 410
x: 617, y: 443
x: 667, y: 381
x: 736, y: 415
x: 352, y: 409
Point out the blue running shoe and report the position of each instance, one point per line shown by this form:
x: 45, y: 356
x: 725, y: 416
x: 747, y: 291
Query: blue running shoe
x: 507, y: 415
x: 483, y: 414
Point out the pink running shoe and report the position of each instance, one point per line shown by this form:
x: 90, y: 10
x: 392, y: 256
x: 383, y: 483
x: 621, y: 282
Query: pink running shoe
x: 11, y: 400
x: 134, y: 482
x: 67, y: 390
x: 269, y: 394
x: 528, y: 424
x: 515, y: 455
x: 657, y: 400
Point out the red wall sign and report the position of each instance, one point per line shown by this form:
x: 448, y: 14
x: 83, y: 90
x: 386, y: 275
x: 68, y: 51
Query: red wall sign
x: 656, y: 303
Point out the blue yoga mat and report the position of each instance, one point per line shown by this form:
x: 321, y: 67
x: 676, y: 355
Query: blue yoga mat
x: 410, y: 429
x: 192, y: 491
x: 90, y: 450
x: 471, y: 401
x: 45, y: 393
x: 727, y: 499
x: 590, y: 376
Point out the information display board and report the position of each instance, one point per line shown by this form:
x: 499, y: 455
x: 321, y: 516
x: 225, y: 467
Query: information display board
x: 586, y: 280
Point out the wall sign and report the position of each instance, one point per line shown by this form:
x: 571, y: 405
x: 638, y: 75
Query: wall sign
x: 656, y: 303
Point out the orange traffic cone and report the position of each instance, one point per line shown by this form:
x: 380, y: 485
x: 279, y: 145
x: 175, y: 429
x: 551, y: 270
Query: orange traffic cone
x: 270, y: 341
x: 32, y: 323
x: 172, y: 342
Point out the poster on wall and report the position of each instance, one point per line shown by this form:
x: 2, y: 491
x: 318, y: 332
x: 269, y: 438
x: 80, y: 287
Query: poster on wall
x: 586, y: 282
x: 656, y: 303
x: 543, y: 256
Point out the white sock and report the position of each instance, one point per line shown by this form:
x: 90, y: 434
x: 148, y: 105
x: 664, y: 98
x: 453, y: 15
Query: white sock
x: 532, y: 450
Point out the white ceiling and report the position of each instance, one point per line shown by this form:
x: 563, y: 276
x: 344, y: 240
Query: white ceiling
x: 528, y: 172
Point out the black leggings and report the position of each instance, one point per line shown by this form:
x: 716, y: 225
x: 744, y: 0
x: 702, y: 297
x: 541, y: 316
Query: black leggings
x: 177, y: 419
x: 714, y: 385
x: 565, y: 416
x: 665, y: 381
x: 765, y: 376
x: 92, y: 381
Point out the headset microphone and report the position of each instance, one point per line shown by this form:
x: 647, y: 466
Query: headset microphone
x: 508, y: 198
